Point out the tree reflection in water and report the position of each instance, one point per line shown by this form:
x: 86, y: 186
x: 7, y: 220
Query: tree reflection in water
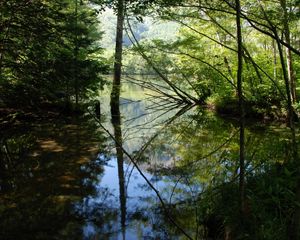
x: 50, y: 187
x: 194, y: 164
x: 116, y: 122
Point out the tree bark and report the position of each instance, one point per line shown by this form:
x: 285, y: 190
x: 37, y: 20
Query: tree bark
x: 118, y: 49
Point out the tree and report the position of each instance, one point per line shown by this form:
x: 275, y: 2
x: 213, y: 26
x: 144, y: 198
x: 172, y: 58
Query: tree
x: 38, y: 53
x: 289, y: 58
x: 118, y: 55
x: 241, y: 110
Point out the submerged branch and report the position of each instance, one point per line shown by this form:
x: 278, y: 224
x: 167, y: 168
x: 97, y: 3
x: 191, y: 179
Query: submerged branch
x: 154, y: 87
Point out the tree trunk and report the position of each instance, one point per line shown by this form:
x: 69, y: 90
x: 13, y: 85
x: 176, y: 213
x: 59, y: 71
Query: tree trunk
x: 118, y: 49
x: 274, y: 60
x: 115, y: 110
x: 76, y: 56
x: 289, y: 58
x: 241, y: 110
x: 286, y: 81
x: 291, y: 74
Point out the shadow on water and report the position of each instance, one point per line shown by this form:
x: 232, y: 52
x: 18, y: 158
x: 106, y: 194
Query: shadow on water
x: 45, y: 170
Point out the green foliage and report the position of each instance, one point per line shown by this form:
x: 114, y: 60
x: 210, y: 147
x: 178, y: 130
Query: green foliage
x: 205, y: 51
x: 47, y: 48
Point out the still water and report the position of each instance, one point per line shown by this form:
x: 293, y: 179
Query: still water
x: 64, y: 179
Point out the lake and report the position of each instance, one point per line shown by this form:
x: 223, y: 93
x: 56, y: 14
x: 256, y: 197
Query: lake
x: 66, y: 178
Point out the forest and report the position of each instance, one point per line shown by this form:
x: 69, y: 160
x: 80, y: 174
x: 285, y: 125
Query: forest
x: 149, y: 119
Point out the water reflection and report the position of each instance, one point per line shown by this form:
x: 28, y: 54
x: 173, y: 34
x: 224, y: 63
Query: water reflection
x: 64, y: 180
x: 116, y: 122
x: 194, y: 163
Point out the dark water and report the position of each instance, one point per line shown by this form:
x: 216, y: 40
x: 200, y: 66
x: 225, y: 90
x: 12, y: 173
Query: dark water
x: 63, y: 179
